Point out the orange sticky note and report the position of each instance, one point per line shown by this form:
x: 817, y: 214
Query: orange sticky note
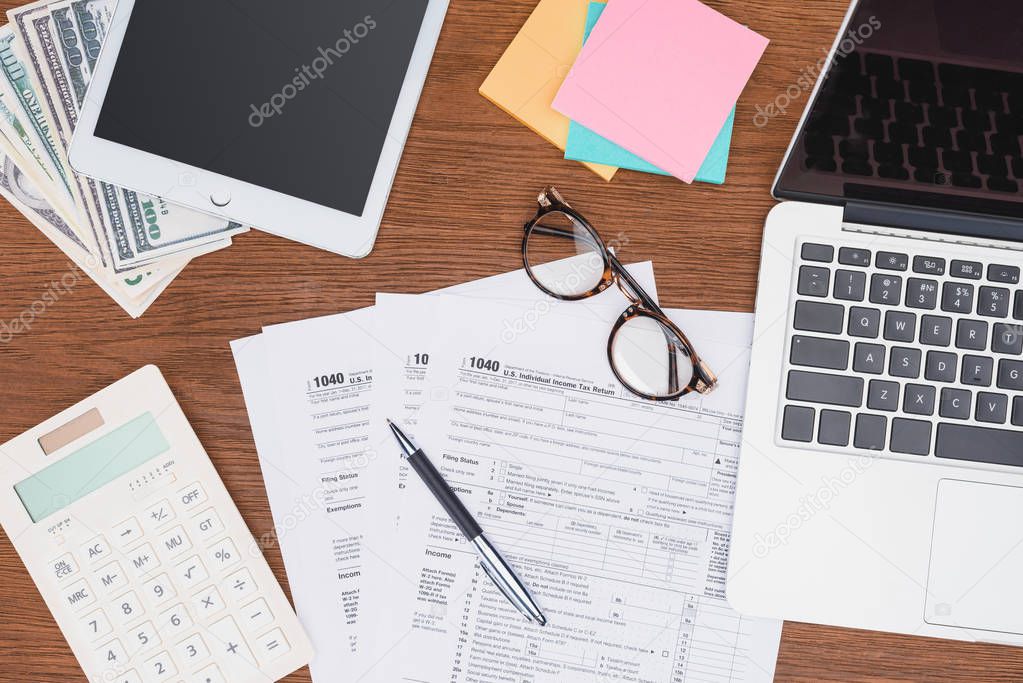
x: 532, y: 69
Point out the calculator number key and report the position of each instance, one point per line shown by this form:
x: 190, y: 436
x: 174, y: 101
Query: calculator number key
x: 143, y: 637
x: 96, y: 624
x: 224, y: 554
x: 208, y: 523
x: 159, y: 668
x: 175, y: 620
x: 130, y: 677
x: 127, y: 608
x: 64, y: 567
x: 112, y: 654
x: 159, y: 590
x: 193, y: 650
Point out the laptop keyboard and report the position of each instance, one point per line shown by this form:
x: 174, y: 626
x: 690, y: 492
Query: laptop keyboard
x: 913, y: 354
x: 908, y: 119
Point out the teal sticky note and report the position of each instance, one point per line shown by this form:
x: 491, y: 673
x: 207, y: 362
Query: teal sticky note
x: 585, y: 145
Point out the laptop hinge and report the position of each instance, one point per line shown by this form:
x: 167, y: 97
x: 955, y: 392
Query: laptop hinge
x: 933, y: 226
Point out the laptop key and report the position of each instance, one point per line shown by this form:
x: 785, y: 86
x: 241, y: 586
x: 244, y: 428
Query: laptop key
x: 1017, y: 411
x: 882, y: 395
x: 900, y: 326
x: 957, y: 298
x: 834, y: 428
x: 850, y: 256
x: 1007, y: 339
x: 991, y: 407
x: 1017, y: 308
x: 905, y: 362
x: 868, y: 359
x: 1010, y: 375
x: 912, y: 437
x: 886, y: 289
x: 927, y: 265
x: 822, y: 253
x: 870, y: 431
x: 977, y: 371
x: 940, y: 367
x: 890, y: 260
x: 797, y: 424
x: 968, y: 270
x: 815, y: 352
x: 935, y: 330
x: 922, y: 294
x: 979, y: 444
x: 971, y: 335
x: 864, y: 322
x: 817, y: 317
x: 994, y: 302
x: 814, y: 281
x: 955, y: 403
x: 850, y: 285
x: 918, y: 399
x: 835, y: 390
x: 1006, y: 274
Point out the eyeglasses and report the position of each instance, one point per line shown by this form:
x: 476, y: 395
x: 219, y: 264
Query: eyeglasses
x: 566, y: 258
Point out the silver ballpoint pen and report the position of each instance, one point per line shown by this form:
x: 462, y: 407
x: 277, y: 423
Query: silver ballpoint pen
x: 499, y: 571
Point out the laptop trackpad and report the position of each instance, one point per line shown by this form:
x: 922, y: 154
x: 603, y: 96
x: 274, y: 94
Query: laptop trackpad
x: 976, y: 557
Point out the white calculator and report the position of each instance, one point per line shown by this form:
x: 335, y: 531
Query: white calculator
x: 137, y: 548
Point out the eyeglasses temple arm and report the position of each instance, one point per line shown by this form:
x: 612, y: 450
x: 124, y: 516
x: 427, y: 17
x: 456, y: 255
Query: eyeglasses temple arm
x: 556, y: 232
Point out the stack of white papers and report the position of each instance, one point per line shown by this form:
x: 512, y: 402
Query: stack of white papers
x: 615, y: 511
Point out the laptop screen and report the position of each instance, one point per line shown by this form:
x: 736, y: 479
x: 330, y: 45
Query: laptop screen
x: 922, y: 106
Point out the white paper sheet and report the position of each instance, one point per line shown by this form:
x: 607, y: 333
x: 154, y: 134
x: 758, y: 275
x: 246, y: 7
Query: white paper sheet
x: 616, y: 511
x: 310, y: 385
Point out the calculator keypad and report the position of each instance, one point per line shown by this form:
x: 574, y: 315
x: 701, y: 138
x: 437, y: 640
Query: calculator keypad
x: 177, y: 601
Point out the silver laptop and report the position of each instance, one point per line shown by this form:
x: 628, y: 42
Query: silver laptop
x: 881, y: 478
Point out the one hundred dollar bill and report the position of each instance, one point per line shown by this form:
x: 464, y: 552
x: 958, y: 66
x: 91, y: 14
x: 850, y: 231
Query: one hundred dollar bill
x: 135, y: 229
x: 134, y: 294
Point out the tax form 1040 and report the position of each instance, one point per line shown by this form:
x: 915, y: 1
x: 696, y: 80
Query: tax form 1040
x: 614, y: 510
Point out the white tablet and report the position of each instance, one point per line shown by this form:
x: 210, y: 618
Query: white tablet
x: 289, y: 117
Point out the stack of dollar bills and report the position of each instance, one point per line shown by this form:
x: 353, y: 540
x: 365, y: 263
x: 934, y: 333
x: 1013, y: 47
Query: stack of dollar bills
x: 132, y: 245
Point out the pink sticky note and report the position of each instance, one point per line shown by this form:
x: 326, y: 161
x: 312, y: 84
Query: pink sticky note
x: 659, y: 78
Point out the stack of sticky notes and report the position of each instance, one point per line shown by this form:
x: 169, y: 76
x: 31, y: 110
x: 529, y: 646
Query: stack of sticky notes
x: 652, y: 85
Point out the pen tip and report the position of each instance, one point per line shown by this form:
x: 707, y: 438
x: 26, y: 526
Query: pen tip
x: 389, y: 421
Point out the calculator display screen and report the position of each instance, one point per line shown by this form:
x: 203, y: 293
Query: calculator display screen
x: 91, y: 467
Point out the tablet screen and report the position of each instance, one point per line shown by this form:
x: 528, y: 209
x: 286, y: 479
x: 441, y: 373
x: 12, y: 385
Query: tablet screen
x: 294, y: 97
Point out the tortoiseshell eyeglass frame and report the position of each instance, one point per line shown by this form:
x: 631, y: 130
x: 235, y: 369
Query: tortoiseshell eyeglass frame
x: 703, y: 381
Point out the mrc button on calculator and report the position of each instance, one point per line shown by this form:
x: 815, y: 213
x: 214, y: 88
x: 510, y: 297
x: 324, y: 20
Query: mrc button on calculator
x: 137, y: 548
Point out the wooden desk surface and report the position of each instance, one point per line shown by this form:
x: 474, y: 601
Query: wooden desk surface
x: 466, y: 184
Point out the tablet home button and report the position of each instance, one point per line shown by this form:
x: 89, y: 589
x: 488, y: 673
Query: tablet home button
x: 220, y: 198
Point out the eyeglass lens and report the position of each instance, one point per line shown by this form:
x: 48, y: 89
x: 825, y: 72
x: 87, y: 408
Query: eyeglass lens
x: 641, y: 352
x: 563, y: 255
